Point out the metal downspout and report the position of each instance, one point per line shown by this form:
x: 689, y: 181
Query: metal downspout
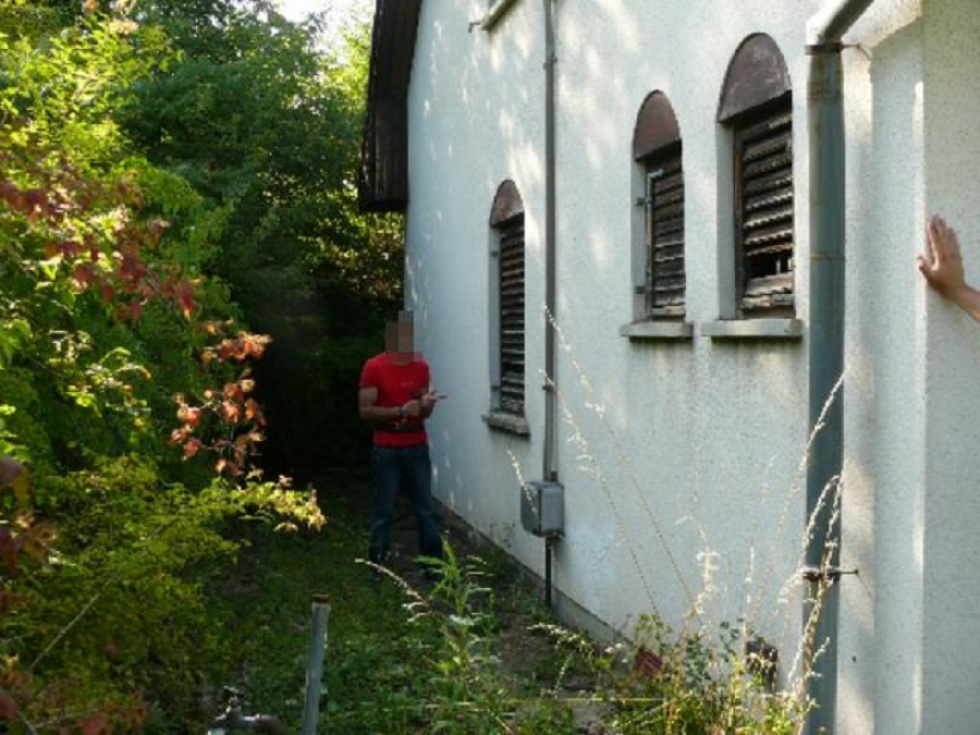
x: 826, y: 356
x: 550, y: 461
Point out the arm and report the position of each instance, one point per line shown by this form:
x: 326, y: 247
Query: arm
x: 427, y: 402
x: 367, y: 401
x: 942, y: 266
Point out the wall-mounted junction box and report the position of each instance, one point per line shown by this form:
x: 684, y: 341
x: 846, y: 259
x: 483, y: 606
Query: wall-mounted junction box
x: 543, y: 508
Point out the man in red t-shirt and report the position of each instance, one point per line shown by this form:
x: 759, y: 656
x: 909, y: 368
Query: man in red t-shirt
x: 395, y: 392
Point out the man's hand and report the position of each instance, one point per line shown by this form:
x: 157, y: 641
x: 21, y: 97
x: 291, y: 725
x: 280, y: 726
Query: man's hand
x: 942, y: 266
x: 428, y: 400
x: 422, y: 406
x: 941, y: 263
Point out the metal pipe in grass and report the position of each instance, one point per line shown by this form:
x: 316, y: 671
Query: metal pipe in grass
x: 314, y: 666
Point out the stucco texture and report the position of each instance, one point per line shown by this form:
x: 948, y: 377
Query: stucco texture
x: 683, y: 460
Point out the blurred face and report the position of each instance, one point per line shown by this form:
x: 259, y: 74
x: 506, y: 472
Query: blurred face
x: 406, y: 333
x: 400, y: 334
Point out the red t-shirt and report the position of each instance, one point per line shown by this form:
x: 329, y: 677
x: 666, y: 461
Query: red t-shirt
x: 397, y: 384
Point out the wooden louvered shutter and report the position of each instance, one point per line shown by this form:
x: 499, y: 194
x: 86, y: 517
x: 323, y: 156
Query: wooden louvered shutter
x: 512, y: 315
x: 764, y: 192
x: 665, y: 236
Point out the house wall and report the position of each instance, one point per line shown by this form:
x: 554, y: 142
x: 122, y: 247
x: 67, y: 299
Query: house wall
x: 880, y: 642
x: 683, y: 461
x: 950, y: 557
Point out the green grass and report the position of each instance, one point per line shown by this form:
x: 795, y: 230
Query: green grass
x: 474, y: 653
x: 388, y: 664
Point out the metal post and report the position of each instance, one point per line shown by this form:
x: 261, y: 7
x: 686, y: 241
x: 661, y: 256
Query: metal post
x: 550, y: 317
x: 314, y: 666
x: 547, y: 571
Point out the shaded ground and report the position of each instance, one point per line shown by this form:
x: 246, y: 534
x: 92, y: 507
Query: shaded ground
x: 493, y: 671
x: 528, y: 657
x: 526, y: 654
x: 368, y: 663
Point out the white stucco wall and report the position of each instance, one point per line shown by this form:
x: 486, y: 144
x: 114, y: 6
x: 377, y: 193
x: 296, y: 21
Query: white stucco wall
x: 699, y: 442
x: 950, y: 560
x: 879, y: 652
x: 677, y: 453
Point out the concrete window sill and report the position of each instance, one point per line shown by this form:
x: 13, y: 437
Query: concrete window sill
x: 508, y: 422
x: 650, y: 331
x: 754, y: 329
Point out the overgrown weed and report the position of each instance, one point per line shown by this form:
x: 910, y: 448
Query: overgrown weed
x: 416, y: 655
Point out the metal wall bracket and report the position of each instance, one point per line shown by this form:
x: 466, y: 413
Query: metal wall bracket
x: 824, y: 574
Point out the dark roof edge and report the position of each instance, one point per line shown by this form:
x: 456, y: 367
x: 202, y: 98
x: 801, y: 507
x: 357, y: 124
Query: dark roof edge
x: 383, y: 181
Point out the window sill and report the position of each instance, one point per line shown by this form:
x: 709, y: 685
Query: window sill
x: 650, y: 331
x: 749, y: 329
x: 496, y: 13
x: 508, y: 422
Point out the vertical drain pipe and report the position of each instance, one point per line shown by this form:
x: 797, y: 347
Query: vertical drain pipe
x: 826, y: 357
x: 550, y: 463
x: 550, y: 397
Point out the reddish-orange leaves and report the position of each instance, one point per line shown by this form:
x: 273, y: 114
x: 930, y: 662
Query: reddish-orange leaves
x: 227, y: 422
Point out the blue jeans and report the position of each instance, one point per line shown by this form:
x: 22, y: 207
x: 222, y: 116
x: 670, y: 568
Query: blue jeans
x: 395, y: 469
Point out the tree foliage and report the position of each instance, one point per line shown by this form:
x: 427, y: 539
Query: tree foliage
x: 126, y: 387
x: 267, y: 126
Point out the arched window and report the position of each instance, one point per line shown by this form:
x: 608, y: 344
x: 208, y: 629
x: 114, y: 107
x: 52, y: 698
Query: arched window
x: 756, y: 106
x: 507, y: 370
x: 657, y: 150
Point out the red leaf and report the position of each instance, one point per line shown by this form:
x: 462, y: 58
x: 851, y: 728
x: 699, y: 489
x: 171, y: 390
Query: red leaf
x: 83, y: 275
x: 186, y: 298
x: 70, y: 248
x: 8, y: 707
x: 252, y: 411
x: 8, y: 549
x: 192, y: 447
x: 231, y: 413
x: 9, y: 192
x: 131, y: 268
x: 36, y: 203
x: 193, y: 417
x: 94, y: 725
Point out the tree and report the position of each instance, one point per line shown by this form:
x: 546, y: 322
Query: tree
x: 122, y: 387
x: 267, y: 126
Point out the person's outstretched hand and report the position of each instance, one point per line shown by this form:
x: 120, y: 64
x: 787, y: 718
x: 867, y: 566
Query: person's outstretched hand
x: 942, y: 266
x: 941, y: 263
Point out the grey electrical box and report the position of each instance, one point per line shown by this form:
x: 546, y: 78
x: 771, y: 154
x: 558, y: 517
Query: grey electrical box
x: 543, y: 508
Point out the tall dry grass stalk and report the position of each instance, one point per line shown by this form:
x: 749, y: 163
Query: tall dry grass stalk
x: 696, y: 624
